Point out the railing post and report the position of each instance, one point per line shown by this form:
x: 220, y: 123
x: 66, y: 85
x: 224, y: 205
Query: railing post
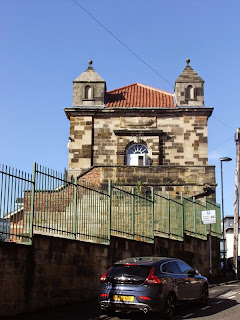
x: 169, y: 217
x: 75, y: 186
x: 153, y: 202
x: 206, y: 206
x: 194, y: 215
x: 32, y: 201
x: 109, y: 207
x: 133, y: 211
x: 183, y: 218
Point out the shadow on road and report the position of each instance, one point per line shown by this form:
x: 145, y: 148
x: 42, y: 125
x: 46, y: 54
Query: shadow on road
x: 91, y: 311
x: 214, y: 307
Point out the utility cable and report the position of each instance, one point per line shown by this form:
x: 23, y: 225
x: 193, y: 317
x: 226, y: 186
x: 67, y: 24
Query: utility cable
x: 122, y: 43
x: 226, y: 125
x: 137, y: 56
x: 222, y: 143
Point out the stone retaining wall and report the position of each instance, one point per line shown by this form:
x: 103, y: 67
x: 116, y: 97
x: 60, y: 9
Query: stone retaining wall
x: 54, y: 271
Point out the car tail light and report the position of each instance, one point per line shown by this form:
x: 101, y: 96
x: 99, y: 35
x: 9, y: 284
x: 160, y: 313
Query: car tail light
x: 104, y: 295
x: 104, y: 276
x: 143, y: 298
x: 152, y: 279
x: 130, y: 264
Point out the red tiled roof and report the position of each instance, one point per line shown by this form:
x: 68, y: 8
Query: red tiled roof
x: 139, y: 96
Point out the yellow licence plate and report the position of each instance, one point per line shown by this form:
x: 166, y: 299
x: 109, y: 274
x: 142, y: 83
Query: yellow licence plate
x: 123, y: 298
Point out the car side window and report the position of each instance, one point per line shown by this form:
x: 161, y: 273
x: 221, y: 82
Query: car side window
x: 184, y: 268
x: 170, y: 267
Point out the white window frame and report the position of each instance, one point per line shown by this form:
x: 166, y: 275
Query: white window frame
x: 134, y: 152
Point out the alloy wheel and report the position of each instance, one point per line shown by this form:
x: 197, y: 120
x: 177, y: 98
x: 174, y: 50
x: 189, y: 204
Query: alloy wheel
x: 169, y: 308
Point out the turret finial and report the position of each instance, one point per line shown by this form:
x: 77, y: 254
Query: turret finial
x: 90, y: 65
x: 187, y: 61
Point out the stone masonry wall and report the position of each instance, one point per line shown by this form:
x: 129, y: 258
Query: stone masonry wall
x: 54, y: 271
x: 190, y: 180
x: 105, y: 141
x: 181, y: 140
x: 184, y: 141
x: 182, y: 98
x: 80, y: 146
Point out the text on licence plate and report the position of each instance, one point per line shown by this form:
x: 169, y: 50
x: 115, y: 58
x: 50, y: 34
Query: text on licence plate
x: 123, y: 298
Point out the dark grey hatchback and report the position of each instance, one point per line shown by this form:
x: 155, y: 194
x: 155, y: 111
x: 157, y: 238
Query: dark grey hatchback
x: 150, y: 284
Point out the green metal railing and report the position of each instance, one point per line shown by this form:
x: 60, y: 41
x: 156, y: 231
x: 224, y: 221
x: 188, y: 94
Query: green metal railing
x: 46, y: 202
x: 132, y: 214
x: 69, y: 209
x: 192, y: 218
x: 15, y: 191
x: 168, y: 217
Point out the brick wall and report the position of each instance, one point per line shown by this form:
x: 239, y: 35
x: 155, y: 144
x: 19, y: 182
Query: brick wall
x: 55, y: 271
x: 91, y: 177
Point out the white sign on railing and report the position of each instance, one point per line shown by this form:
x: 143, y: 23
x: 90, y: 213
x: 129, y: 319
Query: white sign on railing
x: 209, y: 217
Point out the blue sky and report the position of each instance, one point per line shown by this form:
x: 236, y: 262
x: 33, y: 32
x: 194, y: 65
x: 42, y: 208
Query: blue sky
x: 46, y: 44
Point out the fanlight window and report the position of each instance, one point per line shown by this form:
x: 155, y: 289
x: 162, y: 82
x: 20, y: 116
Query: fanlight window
x: 137, y: 155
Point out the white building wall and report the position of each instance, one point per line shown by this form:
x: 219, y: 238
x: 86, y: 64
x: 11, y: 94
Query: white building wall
x: 229, y: 244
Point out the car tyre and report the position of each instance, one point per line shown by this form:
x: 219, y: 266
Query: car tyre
x: 169, y: 306
x: 205, y: 294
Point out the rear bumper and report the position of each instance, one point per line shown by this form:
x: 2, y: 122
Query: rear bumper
x: 130, y: 306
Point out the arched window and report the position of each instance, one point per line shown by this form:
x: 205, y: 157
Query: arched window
x: 88, y: 92
x: 190, y: 92
x: 137, y: 155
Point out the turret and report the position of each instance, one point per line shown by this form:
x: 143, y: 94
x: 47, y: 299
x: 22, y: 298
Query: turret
x: 189, y: 88
x: 89, y: 89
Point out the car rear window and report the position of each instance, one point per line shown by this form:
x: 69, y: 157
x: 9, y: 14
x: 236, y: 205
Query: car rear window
x: 129, y: 270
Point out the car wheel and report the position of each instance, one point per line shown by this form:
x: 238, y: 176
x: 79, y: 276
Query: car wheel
x: 169, y: 306
x: 204, y: 298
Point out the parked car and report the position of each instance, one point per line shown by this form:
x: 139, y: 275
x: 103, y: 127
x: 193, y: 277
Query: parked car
x: 229, y: 264
x: 150, y: 284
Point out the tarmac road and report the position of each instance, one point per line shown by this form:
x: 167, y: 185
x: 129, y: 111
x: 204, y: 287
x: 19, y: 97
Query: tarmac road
x: 224, y: 303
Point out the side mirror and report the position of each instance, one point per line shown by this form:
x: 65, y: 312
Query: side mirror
x: 193, y: 272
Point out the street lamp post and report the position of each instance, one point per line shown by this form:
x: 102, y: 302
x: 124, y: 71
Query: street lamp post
x: 223, y: 229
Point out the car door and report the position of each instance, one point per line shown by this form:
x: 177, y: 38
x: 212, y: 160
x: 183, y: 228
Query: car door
x: 171, y: 272
x: 191, y: 283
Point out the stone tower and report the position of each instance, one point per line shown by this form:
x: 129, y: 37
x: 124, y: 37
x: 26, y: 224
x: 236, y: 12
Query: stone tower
x: 89, y: 89
x: 189, y: 88
x: 88, y: 97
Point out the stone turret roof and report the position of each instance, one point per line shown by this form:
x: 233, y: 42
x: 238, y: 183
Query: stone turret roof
x: 139, y: 96
x: 89, y: 75
x: 189, y: 75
